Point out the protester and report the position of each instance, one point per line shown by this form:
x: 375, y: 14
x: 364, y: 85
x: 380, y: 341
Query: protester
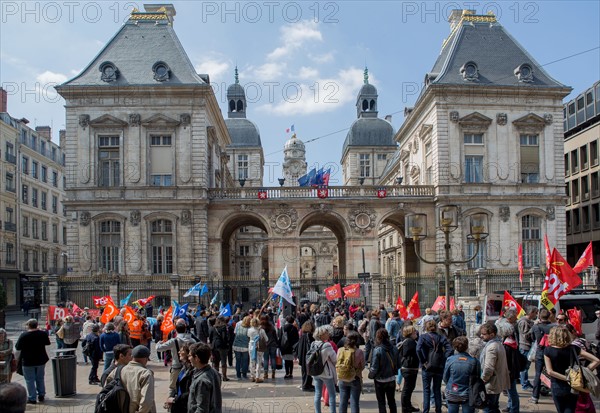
x: 374, y: 325
x: 59, y: 333
x: 108, y: 340
x: 350, y: 373
x: 304, y: 344
x: 32, y: 345
x: 7, y: 356
x: 430, y: 341
x: 240, y: 347
x: 205, y: 390
x: 494, y: 367
x: 459, y: 370
x: 179, y: 402
x: 384, y: 367
x: 478, y: 314
x: 157, y: 335
x: 514, y: 359
x: 85, y: 330
x: 525, y: 338
x: 328, y: 376
x: 539, y: 331
x: 138, y: 381
x: 123, y: 332
x: 218, y: 337
x: 93, y: 340
x: 13, y: 398
x: 394, y: 326
x: 70, y: 332
x: 122, y: 357
x: 173, y: 345
x: 409, y: 367
x: 289, y: 339
x: 447, y: 328
x: 255, y: 336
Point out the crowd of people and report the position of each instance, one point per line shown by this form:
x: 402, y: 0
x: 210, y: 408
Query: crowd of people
x: 333, y: 345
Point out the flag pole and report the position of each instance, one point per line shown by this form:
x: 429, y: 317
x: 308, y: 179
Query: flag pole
x: 266, y: 301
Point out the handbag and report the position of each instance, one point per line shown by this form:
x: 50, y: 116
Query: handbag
x: 477, y: 392
x: 13, y: 365
x: 532, y: 351
x: 278, y: 360
x: 575, y: 376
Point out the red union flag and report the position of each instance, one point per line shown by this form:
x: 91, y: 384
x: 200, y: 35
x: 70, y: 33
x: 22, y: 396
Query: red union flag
x: 262, y: 194
x: 334, y: 292
x: 144, y: 301
x: 352, y: 291
x: 586, y: 260
x: 401, y: 308
x: 509, y: 301
x: 322, y: 192
x: 110, y: 311
x: 413, y: 310
x: 56, y: 313
x: 129, y: 315
x: 100, y: 301
x: 167, y: 325
x: 440, y: 303
x: 381, y: 193
x: 575, y: 319
x: 560, y: 279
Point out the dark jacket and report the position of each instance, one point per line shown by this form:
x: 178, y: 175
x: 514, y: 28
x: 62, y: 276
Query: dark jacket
x: 184, y: 381
x: 219, y: 337
x: 202, y: 329
x: 273, y: 340
x: 94, y: 339
x: 289, y: 338
x: 109, y: 340
x: 337, y: 335
x: 32, y: 345
x: 303, y: 346
x: 408, y: 354
x: 385, y: 362
x: 451, y: 332
x: 426, y: 344
x: 374, y: 325
x: 205, y: 392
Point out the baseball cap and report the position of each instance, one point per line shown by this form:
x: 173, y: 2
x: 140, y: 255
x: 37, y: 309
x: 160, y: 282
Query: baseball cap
x: 140, y: 352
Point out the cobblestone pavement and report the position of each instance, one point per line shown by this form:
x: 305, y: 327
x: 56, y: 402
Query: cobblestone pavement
x: 272, y: 396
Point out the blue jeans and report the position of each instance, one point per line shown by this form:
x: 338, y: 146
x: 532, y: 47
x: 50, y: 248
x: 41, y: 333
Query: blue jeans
x: 318, y: 382
x: 108, y: 360
x: 456, y: 407
x: 242, y: 361
x: 524, y: 375
x: 270, y: 354
x: 350, y: 391
x: 432, y: 383
x: 493, y: 401
x: 34, y: 378
x: 513, y: 397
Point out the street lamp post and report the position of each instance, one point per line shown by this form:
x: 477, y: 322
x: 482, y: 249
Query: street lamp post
x: 416, y: 228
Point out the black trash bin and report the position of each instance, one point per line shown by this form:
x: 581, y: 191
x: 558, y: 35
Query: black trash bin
x: 64, y: 372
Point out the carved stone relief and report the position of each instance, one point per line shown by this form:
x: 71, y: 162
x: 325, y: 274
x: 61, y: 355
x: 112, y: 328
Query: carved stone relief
x: 186, y: 217
x: 324, y: 208
x: 454, y: 116
x: 135, y: 119
x: 85, y: 219
x: 362, y: 219
x: 185, y: 119
x: 84, y: 121
x: 501, y: 119
x: 548, y: 118
x: 550, y: 211
x: 504, y: 213
x: 134, y: 217
x: 284, y: 220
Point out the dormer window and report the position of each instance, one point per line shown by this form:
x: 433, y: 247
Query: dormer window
x: 470, y: 72
x: 109, y: 71
x: 524, y: 73
x: 161, y: 71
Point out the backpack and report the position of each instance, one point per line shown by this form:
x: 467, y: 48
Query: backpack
x: 88, y: 349
x: 435, y: 359
x: 113, y: 397
x: 345, y: 365
x: 314, y: 361
x: 260, y: 343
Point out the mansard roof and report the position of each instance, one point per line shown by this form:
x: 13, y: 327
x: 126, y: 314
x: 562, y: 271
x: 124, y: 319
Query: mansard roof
x: 369, y: 132
x: 496, y: 54
x: 243, y: 132
x: 145, y: 40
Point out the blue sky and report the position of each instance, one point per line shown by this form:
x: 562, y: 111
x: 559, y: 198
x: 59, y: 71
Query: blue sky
x: 301, y: 62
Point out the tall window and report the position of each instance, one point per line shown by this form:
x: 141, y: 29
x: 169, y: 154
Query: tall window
x: 10, y: 182
x: 44, y: 200
x: 244, y: 268
x: 44, y: 173
x: 34, y: 228
x: 161, y: 162
x: 108, y: 161
x: 55, y: 178
x: 44, y: 231
x: 25, y: 229
x: 110, y: 245
x: 473, y: 168
x: 25, y: 165
x: 54, y: 232
x: 54, y: 204
x: 34, y: 197
x: 530, y: 159
x: 34, y: 169
x: 35, y: 259
x: 364, y: 164
x: 162, y: 247
x: 25, y: 194
x: 531, y: 237
x: 480, y: 260
x: 242, y: 165
x: 10, y: 253
x: 44, y: 261
x: 26, y: 260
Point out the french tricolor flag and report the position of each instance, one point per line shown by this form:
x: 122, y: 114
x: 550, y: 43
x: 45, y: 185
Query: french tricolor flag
x: 290, y: 129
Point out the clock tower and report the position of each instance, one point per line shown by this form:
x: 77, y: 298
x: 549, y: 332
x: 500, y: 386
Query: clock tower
x: 294, y: 161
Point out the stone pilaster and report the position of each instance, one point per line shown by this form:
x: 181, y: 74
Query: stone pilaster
x: 174, y: 278
x: 52, y: 289
x: 481, y: 282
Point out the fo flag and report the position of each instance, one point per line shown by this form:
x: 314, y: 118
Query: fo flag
x: 413, y: 309
x: 560, y: 279
x: 352, y: 291
x: 401, y: 308
x: 510, y: 302
x: 586, y: 260
x: 56, y: 313
x: 334, y: 292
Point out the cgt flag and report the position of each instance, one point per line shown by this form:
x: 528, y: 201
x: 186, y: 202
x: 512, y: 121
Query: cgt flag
x: 440, y: 303
x: 100, y: 301
x: 560, y: 279
x: 586, y: 260
x: 413, y: 310
x: 110, y: 311
x: 509, y: 301
x: 352, y: 291
x: 401, y: 308
x: 334, y: 292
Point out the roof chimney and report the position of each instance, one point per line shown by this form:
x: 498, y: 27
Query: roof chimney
x: 3, y: 100
x: 169, y: 10
x: 44, y: 131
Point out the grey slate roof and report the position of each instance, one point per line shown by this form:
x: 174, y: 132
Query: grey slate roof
x: 134, y: 49
x: 243, y: 132
x: 235, y: 90
x: 496, y: 53
x: 369, y: 132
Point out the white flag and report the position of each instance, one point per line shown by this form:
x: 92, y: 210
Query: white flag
x: 283, y: 287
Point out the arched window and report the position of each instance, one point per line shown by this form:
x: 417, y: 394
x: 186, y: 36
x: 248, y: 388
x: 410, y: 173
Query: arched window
x: 162, y: 246
x: 240, y: 106
x: 372, y: 105
x: 532, y: 240
x: 232, y: 105
x: 110, y: 245
x: 365, y: 105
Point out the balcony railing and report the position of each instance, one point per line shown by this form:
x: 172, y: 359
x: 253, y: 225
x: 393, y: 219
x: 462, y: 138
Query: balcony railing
x: 57, y: 270
x: 337, y: 192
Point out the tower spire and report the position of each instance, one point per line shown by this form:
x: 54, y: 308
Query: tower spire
x: 366, y: 76
x: 237, y: 78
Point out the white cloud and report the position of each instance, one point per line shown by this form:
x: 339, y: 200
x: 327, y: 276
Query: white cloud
x: 214, y: 68
x: 268, y: 72
x: 323, y: 58
x: 324, y: 95
x: 293, y: 36
x: 307, y: 73
x: 51, y: 77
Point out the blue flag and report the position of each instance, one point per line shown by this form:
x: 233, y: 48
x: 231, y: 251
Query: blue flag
x: 195, y: 290
x: 283, y: 287
x: 125, y: 300
x: 306, y: 180
x: 204, y: 290
x: 181, y: 311
x: 225, y: 311
x: 214, y: 299
x: 151, y: 321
